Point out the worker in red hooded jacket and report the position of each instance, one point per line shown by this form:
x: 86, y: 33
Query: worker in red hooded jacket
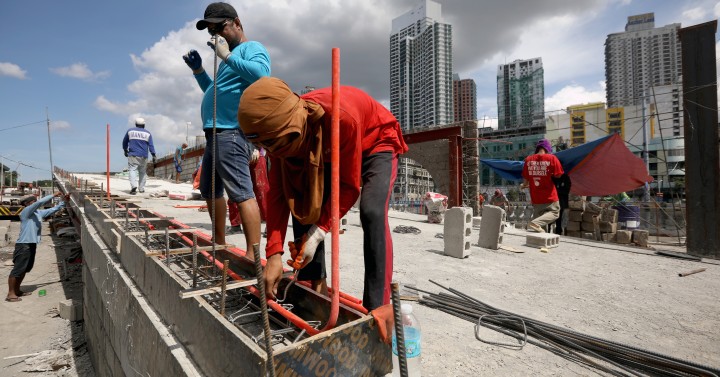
x: 295, y: 132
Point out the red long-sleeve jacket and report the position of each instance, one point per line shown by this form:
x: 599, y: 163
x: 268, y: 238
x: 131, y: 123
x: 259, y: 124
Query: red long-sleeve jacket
x: 366, y: 127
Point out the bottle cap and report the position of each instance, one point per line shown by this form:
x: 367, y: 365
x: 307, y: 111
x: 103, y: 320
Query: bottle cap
x: 406, y: 309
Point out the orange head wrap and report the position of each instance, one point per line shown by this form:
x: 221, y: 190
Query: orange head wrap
x: 289, y: 128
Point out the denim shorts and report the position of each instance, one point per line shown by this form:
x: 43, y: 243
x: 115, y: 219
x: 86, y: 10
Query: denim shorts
x: 23, y: 259
x: 232, y: 166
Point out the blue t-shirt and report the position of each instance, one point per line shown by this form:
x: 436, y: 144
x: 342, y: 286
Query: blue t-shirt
x: 31, y: 218
x: 248, y: 62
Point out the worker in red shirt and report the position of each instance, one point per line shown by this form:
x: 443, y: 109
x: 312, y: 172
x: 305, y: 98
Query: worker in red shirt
x: 295, y: 132
x: 538, y: 171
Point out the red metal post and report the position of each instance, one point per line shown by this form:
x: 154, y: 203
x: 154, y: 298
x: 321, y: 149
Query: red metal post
x: 107, y: 158
x: 335, y: 189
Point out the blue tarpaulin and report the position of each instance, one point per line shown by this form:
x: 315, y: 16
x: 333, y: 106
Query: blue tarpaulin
x: 600, y: 167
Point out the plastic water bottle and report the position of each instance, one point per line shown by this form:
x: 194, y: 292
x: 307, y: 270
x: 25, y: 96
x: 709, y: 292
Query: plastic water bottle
x: 411, y: 328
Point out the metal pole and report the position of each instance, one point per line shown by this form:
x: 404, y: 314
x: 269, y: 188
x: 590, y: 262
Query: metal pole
x: 264, y: 310
x: 646, y: 192
x: 107, y: 158
x: 2, y: 174
x: 47, y: 117
x: 399, y: 331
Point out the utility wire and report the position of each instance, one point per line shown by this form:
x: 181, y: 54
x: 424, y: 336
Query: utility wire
x: 22, y: 125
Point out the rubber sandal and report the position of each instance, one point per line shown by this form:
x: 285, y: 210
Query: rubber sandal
x: 14, y: 299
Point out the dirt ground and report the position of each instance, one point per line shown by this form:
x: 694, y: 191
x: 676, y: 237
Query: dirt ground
x: 35, y: 340
x: 623, y: 294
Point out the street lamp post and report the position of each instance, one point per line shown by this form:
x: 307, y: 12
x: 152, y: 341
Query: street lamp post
x: 187, y: 128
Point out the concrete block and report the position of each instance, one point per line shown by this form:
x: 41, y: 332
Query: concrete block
x: 573, y: 226
x: 576, y: 198
x: 546, y: 240
x: 594, y: 208
x: 72, y: 310
x: 343, y: 224
x: 640, y: 237
x: 457, y: 230
x: 588, y: 235
x: 589, y: 216
x: 623, y: 236
x: 609, y: 215
x: 476, y: 221
x: 492, y: 227
x: 608, y: 227
x: 577, y: 205
x: 588, y: 226
x: 608, y: 237
x: 575, y: 215
x: 573, y: 233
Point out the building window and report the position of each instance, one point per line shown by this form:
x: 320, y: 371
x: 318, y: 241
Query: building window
x: 577, y: 128
x: 616, y: 121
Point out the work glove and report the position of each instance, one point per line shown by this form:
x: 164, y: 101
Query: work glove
x: 385, y: 322
x: 302, y: 252
x: 126, y: 152
x: 193, y: 60
x: 255, y: 156
x: 220, y: 45
x: 154, y: 158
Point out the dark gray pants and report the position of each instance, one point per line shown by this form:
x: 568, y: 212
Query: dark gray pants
x: 379, y: 171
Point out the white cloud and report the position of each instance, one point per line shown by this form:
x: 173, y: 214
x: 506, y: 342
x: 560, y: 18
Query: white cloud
x: 80, y: 71
x: 57, y: 125
x: 693, y: 15
x: 716, y: 10
x: 12, y: 70
x: 574, y: 95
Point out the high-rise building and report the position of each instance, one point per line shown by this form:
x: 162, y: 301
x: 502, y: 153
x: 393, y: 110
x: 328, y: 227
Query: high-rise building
x: 421, y: 68
x: 641, y: 57
x: 521, y: 94
x: 464, y: 99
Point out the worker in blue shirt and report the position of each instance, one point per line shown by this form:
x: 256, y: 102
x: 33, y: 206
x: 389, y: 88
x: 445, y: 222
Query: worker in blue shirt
x: 179, y: 153
x: 241, y: 63
x: 136, y: 143
x: 30, y: 228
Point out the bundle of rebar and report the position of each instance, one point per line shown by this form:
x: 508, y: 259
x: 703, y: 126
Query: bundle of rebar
x: 611, y: 357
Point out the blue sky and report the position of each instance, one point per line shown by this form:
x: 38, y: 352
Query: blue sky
x: 94, y: 63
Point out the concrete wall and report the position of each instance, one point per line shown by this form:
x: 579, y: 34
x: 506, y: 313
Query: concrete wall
x: 125, y: 335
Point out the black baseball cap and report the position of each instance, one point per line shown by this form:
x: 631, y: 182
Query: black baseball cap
x: 216, y: 13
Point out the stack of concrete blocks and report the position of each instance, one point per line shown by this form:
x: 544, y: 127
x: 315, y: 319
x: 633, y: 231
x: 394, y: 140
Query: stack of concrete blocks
x: 590, y: 221
x: 4, y: 232
x: 590, y: 226
x: 608, y: 224
x: 457, y: 230
x: 492, y: 227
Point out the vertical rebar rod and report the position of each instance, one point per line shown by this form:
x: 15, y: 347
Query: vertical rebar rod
x: 137, y: 217
x: 167, y: 247
x: 223, y: 292
x: 270, y: 368
x: 399, y: 331
x: 194, y: 260
x: 147, y: 239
